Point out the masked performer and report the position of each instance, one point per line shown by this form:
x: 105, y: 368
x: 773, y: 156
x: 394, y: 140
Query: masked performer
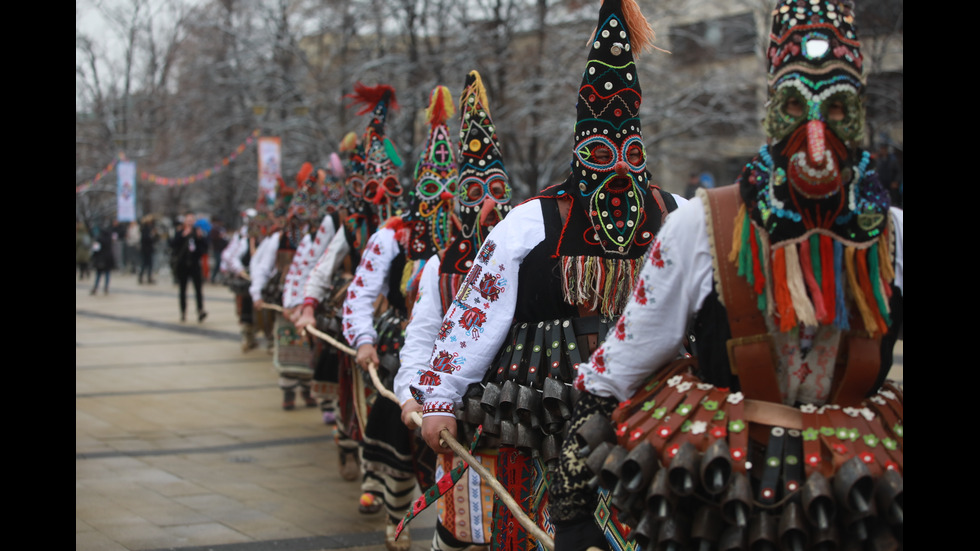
x: 291, y: 350
x: 482, y: 200
x: 324, y: 204
x: 392, y: 262
x: 771, y: 441
x: 546, y: 284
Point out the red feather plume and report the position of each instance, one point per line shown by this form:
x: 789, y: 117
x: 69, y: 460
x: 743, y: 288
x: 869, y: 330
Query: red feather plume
x: 369, y: 97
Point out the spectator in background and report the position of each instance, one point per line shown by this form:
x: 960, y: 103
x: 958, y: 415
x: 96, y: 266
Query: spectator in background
x: 148, y: 242
x: 103, y: 259
x: 219, y: 240
x: 692, y: 185
x: 83, y: 250
x: 188, y: 246
x: 131, y: 247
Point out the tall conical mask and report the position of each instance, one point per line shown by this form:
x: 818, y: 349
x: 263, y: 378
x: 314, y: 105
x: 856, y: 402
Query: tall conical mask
x: 331, y: 181
x: 483, y: 194
x: 435, y: 181
x: 381, y: 185
x: 352, y: 153
x: 609, y: 180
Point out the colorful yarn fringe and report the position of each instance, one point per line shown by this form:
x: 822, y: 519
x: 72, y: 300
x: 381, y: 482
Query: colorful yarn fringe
x: 604, y: 284
x: 814, y: 278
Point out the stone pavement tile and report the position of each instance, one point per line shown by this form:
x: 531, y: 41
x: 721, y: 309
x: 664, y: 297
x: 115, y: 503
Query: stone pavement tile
x: 94, y: 509
x: 132, y: 531
x: 96, y: 541
x: 214, y: 504
x: 306, y: 474
x: 244, y: 491
x: 261, y: 526
x: 177, y: 488
x: 212, y: 533
x: 168, y: 513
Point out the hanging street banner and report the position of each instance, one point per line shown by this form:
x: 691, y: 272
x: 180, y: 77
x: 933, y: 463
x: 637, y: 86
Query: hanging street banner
x: 126, y: 191
x: 270, y: 155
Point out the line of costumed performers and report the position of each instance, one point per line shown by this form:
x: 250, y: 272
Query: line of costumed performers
x: 636, y: 370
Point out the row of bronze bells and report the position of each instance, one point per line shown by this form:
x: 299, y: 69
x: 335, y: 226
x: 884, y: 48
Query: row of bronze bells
x: 698, y: 502
x: 515, y: 415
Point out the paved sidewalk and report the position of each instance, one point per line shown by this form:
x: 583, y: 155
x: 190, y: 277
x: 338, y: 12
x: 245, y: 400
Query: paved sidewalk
x: 181, y: 441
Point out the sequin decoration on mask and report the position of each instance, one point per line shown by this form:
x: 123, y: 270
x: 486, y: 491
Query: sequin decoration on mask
x: 609, y: 161
x: 483, y: 195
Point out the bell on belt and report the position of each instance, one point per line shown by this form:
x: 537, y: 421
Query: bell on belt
x: 716, y: 467
x: 792, y: 528
x: 491, y: 397
x: 818, y: 502
x: 762, y: 532
x: 595, y: 430
x: 611, y: 467
x: 660, y: 500
x: 596, y: 459
x: 853, y: 486
x: 736, y: 505
x: 508, y: 399
x: 889, y: 497
x: 683, y: 471
x: 528, y: 406
x: 707, y: 528
x: 638, y: 467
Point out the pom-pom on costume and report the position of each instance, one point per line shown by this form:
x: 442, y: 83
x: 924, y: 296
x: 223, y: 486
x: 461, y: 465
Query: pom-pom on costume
x: 777, y: 434
x: 545, y: 284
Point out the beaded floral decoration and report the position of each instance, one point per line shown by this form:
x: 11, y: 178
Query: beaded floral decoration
x: 331, y: 186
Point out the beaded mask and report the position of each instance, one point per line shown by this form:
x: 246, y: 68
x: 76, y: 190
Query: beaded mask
x: 483, y: 196
x: 354, y: 167
x: 816, y: 111
x: 609, y: 180
x: 435, y: 175
x: 381, y: 161
x: 302, y: 207
x: 812, y: 190
x: 331, y: 186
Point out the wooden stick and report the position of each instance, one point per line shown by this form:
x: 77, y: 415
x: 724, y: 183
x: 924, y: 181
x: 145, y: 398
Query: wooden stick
x: 337, y: 344
x: 447, y: 438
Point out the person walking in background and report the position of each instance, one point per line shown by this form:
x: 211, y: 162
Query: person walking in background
x: 83, y: 250
x: 219, y: 240
x: 188, y: 246
x: 148, y: 241
x: 131, y: 247
x: 103, y: 260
